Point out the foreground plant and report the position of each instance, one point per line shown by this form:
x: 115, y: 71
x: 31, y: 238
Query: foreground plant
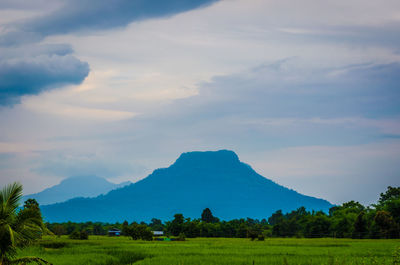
x: 18, y: 229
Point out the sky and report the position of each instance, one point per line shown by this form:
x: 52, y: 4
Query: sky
x: 306, y: 92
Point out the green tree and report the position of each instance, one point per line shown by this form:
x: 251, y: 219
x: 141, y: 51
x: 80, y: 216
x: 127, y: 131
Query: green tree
x: 125, y: 228
x: 59, y: 230
x: 242, y: 231
x: 82, y: 235
x: 191, y: 228
x: 176, y: 226
x: 17, y: 229
x: 208, y: 217
x: 317, y: 226
x: 276, y: 218
x: 156, y: 225
x: 388, y: 228
x: 98, y: 229
x: 360, y: 226
x: 391, y: 193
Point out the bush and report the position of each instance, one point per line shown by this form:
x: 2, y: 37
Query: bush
x: 83, y: 235
x: 181, y: 237
x: 267, y: 233
x: 261, y: 237
x: 396, y: 256
x: 147, y: 235
x: 252, y: 235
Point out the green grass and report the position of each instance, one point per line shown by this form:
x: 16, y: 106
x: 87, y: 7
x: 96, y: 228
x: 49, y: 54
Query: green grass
x: 104, y: 250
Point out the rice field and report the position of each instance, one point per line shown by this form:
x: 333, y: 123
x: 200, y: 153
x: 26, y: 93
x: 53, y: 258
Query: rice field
x: 103, y: 250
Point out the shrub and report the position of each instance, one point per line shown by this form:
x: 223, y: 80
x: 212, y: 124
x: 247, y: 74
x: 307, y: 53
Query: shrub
x: 83, y: 235
x: 147, y: 235
x: 252, y: 235
x: 181, y: 237
x: 396, y: 256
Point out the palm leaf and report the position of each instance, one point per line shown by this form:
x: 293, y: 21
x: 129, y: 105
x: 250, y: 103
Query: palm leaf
x: 27, y: 260
x: 17, y: 230
x: 11, y: 195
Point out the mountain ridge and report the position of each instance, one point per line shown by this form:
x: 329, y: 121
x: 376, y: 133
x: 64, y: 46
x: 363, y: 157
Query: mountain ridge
x: 72, y: 187
x: 196, y: 180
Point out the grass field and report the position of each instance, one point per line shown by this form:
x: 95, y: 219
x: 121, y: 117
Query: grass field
x: 123, y: 250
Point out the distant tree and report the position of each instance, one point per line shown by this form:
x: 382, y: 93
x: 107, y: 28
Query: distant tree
x: 275, y: 218
x: 388, y: 227
x: 342, y: 225
x: 391, y: 193
x: 252, y: 234
x: 360, y: 226
x: 125, y: 228
x: 191, y: 228
x: 176, y: 226
x: 31, y: 204
x: 207, y: 216
x: 393, y: 207
x: 317, y: 226
x: 146, y: 234
x: 241, y: 231
x: 81, y: 235
x: 133, y: 231
x: 354, y: 206
x: 31, y: 210
x: 98, y: 229
x: 139, y: 231
x: 181, y: 237
x: 156, y: 224
x: 59, y: 230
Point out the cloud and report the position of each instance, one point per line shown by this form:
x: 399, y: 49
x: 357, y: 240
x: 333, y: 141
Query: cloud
x: 338, y: 89
x: 332, y: 172
x: 86, y: 163
x: 47, y: 67
x: 285, y: 89
x: 30, y: 71
x: 78, y: 15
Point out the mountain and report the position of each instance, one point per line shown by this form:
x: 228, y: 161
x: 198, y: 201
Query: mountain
x: 83, y: 186
x: 197, y: 180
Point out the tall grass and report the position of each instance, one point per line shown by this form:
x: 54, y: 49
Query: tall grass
x: 99, y: 250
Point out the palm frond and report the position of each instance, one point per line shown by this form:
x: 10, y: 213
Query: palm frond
x: 17, y: 228
x: 12, y: 237
x: 10, y: 196
x: 28, y: 260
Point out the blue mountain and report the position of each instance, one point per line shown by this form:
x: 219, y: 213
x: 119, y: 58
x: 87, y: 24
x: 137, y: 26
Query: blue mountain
x: 82, y: 186
x: 197, y: 180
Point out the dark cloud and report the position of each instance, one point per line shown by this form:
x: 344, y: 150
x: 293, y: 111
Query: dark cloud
x: 48, y: 67
x: 285, y: 90
x: 36, y: 70
x: 76, y: 15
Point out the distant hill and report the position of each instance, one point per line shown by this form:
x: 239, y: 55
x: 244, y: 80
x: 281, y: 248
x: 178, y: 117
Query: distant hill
x: 217, y: 180
x: 83, y: 186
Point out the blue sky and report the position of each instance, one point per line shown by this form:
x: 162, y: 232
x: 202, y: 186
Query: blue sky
x: 306, y: 92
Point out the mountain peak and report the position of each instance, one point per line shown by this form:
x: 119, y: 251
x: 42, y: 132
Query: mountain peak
x: 220, y: 158
x: 213, y: 179
x: 76, y: 186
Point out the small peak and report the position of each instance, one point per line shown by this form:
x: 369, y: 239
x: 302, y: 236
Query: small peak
x: 221, y: 157
x: 82, y: 178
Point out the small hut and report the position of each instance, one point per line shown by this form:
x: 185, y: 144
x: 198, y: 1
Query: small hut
x: 114, y: 232
x: 158, y: 233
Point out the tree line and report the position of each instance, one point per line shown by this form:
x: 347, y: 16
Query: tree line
x: 349, y: 220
